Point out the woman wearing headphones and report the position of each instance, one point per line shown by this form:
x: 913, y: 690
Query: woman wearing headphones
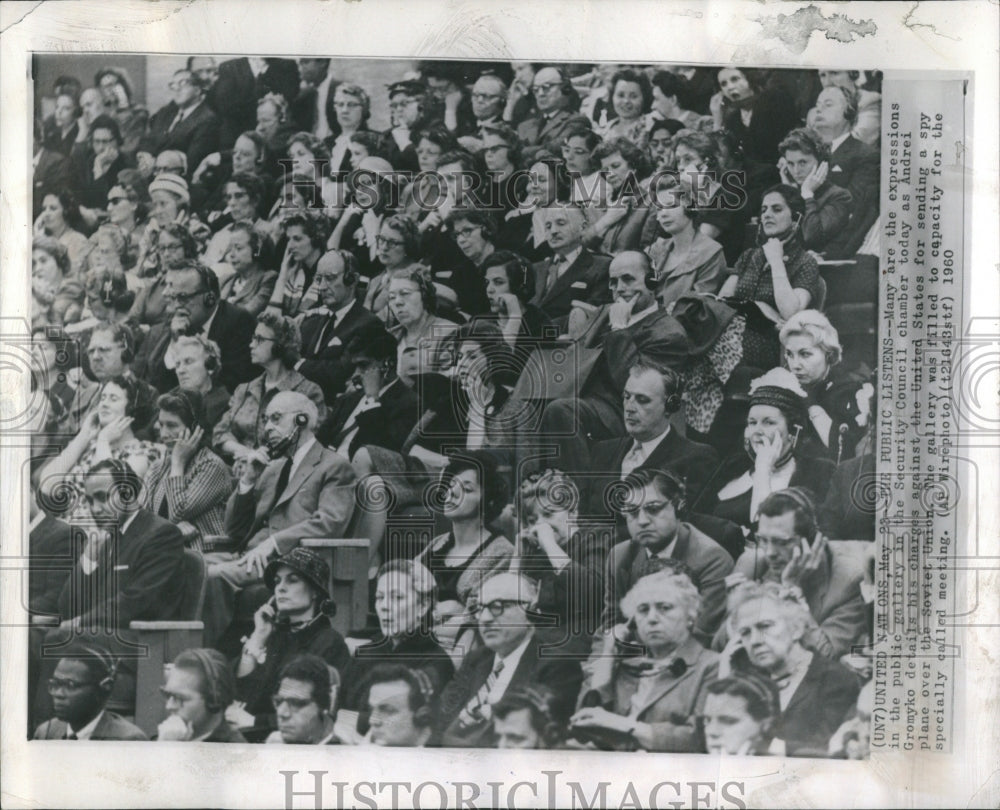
x: 774, y: 280
x: 772, y: 458
x: 106, y: 432
x: 198, y: 363
x: 251, y: 286
x: 244, y: 195
x: 208, y: 184
x: 295, y: 620
x: 189, y: 486
x: 412, y: 302
x: 171, y: 244
x: 398, y: 250
x: 510, y: 286
x: 275, y: 347
x: 108, y: 300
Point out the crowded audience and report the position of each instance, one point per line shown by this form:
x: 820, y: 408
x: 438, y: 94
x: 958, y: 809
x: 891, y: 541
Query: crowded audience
x: 501, y: 406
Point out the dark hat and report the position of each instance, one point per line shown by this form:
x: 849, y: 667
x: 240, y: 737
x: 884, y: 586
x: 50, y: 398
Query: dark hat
x: 780, y: 389
x: 408, y: 87
x: 304, y: 562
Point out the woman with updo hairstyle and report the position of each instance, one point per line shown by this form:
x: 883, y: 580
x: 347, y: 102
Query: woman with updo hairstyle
x: 198, y: 366
x: 684, y: 260
x: 838, y: 418
x: 275, y: 347
x: 741, y: 716
x: 190, y: 484
x: 199, y: 688
x: 649, y: 702
x: 124, y: 405
x: 774, y: 280
x: 413, y: 304
x: 170, y: 245
x: 405, y: 603
x: 251, y: 286
x: 631, y: 97
x: 523, y: 229
x: 774, y: 456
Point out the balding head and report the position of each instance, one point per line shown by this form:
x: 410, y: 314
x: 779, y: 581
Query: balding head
x: 290, y: 403
x: 627, y: 279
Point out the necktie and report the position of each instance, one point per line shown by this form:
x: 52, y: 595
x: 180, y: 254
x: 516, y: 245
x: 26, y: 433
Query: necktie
x: 632, y: 459
x: 327, y: 324
x: 176, y: 121
x: 478, y: 709
x: 553, y: 276
x: 286, y: 471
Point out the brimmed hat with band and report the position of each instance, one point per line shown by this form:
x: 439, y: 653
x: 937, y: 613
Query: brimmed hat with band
x: 307, y: 564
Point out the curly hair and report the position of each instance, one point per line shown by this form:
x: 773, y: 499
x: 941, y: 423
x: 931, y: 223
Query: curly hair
x: 807, y: 141
x: 633, y: 77
x: 660, y: 581
x: 55, y: 248
x: 287, y: 341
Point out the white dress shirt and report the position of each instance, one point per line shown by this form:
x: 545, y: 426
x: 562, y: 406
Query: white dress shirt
x: 87, y: 731
x: 88, y: 565
x: 510, y: 663
x: 640, y: 451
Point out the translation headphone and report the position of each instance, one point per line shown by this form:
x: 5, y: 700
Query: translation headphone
x: 804, y: 502
x: 122, y: 334
x: 541, y: 707
x: 424, y: 715
x: 301, y: 420
x: 351, y: 272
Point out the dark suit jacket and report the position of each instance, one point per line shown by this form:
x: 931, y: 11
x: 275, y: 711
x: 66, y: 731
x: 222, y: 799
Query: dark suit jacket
x: 231, y: 328
x: 327, y: 365
x: 303, y: 109
x: 709, y: 564
x: 140, y: 576
x: 515, y: 234
x: 818, y: 708
x: 50, y: 561
x: 53, y: 173
x: 693, y: 461
x: 842, y: 516
x: 386, y: 425
x: 562, y: 676
x: 197, y: 135
x: 109, y: 727
x: 586, y: 280
x: 539, y: 131
x: 854, y: 165
x: 236, y: 92
x: 93, y: 191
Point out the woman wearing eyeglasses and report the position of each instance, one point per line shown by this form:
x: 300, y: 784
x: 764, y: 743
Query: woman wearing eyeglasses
x: 171, y: 244
x: 352, y: 107
x: 398, y: 251
x: 295, y: 620
x: 244, y: 194
x: 649, y: 702
x: 275, y: 347
x: 128, y: 207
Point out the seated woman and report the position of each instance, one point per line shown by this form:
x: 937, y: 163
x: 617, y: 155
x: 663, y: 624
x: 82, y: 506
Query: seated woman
x: 618, y: 225
x: 652, y: 702
x: 105, y: 433
x: 523, y: 229
x: 49, y: 266
x: 837, y: 403
x: 510, y: 286
x: 245, y: 196
x: 474, y: 231
x: 198, y: 362
x: 251, y: 286
x: 684, y: 259
x: 295, y: 620
x: 189, y: 486
x: 171, y: 244
x: 501, y: 153
x: 412, y: 300
x: 775, y: 280
x: 772, y: 457
x: 128, y: 205
x: 631, y: 97
x: 741, y: 716
x: 352, y: 107
x: 766, y: 625
x: 567, y: 563
x: 311, y: 158
x: 398, y: 249
x: 475, y: 493
x: 405, y: 601
x: 805, y: 165
x: 275, y: 347
x: 108, y: 301
x: 60, y: 219
x: 588, y: 185
x: 208, y: 184
x: 108, y: 251
x: 199, y: 688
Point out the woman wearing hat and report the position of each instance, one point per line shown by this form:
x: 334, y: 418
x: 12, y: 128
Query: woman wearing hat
x: 295, y: 620
x: 772, y: 458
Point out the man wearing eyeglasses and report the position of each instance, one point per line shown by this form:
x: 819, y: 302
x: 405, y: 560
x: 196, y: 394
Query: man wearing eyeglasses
x: 555, y: 100
x: 654, y: 509
x: 305, y: 703
x: 186, y: 124
x: 195, y: 307
x: 510, y: 658
x: 80, y: 688
x: 407, y: 107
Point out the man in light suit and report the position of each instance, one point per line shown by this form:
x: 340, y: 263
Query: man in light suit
x: 186, y: 124
x: 654, y: 508
x: 828, y: 574
x: 326, y: 330
x: 511, y: 657
x: 80, y: 687
x: 304, y: 491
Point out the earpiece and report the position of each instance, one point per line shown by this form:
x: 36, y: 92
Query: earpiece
x: 301, y: 420
x: 424, y: 716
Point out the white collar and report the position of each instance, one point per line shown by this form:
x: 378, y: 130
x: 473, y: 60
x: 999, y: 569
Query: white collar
x: 87, y: 731
x: 36, y: 521
x: 258, y: 64
x: 513, y: 658
x: 649, y: 446
x: 338, y: 316
x: 570, y: 257
x: 839, y: 140
x: 301, y: 454
x: 665, y: 552
x: 638, y: 316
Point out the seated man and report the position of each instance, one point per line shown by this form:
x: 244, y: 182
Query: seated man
x: 80, y: 687
x: 50, y: 550
x: 525, y: 718
x: 556, y: 102
x: 199, y: 688
x: 511, y: 657
x: 327, y: 329
x: 379, y: 408
x: 827, y: 575
x: 193, y: 294
x: 401, y: 707
x: 304, y: 703
x: 654, y: 507
x: 305, y: 491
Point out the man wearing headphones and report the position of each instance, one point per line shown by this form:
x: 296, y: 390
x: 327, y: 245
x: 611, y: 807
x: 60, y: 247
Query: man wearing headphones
x: 305, y: 491
x: 825, y: 576
x: 655, y: 510
x: 305, y: 702
x: 555, y: 100
x: 327, y: 329
x: 401, y: 707
x: 185, y: 124
x: 525, y: 719
x: 80, y: 688
x: 196, y: 309
x: 379, y: 408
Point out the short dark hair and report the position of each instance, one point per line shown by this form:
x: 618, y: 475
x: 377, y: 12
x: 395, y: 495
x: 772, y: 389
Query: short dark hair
x: 791, y: 196
x: 189, y: 407
x: 107, y: 122
x: 541, y: 704
x: 250, y: 183
x: 478, y: 217
x: 421, y: 695
x: 491, y: 482
x: 666, y: 482
x: 218, y: 683
x: 632, y: 77
x: 520, y: 277
x: 206, y: 275
x: 702, y: 144
x: 313, y: 670
x: 139, y: 399
x: 375, y: 342
x: 759, y: 692
x: 806, y: 140
x: 632, y: 154
x: 438, y: 134
x: 486, y: 334
x: 798, y: 500
x: 126, y: 486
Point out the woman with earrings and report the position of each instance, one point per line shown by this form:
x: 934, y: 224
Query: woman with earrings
x: 295, y: 620
x: 772, y: 456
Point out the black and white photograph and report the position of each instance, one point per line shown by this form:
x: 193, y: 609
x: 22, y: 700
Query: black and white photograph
x: 491, y: 404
